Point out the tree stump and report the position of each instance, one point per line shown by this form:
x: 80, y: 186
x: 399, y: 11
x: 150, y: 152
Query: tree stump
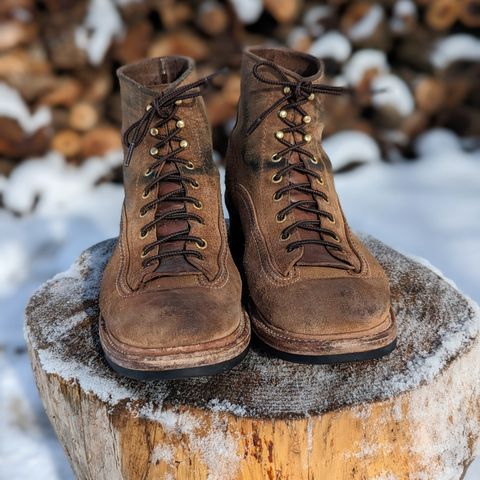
x: 412, y: 415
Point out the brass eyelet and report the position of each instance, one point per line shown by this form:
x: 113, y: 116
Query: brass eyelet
x: 198, y: 205
x: 327, y: 200
x: 311, y: 96
x: 320, y: 180
x: 143, y: 213
x: 279, y: 134
x: 183, y: 144
x: 190, y: 166
x: 285, y: 237
x: 145, y: 194
x: 282, y: 114
x: 142, y: 236
x: 307, y: 119
x: 148, y: 107
x: 202, y: 245
x: 286, y: 90
x: 143, y: 254
x: 154, y: 132
x: 332, y: 220
x: 147, y: 173
x: 277, y: 180
x: 276, y: 197
x: 178, y: 102
x: 180, y: 124
x: 307, y: 138
x: 276, y: 158
x: 195, y: 185
x: 280, y: 218
x: 153, y: 151
x: 336, y: 238
x: 314, y: 160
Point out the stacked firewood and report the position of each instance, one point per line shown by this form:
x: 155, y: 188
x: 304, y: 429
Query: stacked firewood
x: 58, y: 60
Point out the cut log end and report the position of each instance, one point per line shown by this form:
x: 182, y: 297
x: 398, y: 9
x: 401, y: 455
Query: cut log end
x: 415, y: 412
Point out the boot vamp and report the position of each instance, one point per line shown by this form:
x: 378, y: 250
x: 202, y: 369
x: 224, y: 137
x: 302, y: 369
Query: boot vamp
x: 174, y: 318
x: 327, y: 306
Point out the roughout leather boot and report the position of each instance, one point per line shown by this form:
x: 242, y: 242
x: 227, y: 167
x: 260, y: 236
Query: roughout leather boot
x: 316, y: 293
x: 170, y: 296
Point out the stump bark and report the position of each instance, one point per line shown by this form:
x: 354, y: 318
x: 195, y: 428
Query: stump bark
x: 412, y: 415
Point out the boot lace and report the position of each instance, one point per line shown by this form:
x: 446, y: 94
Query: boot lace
x: 161, y: 112
x: 295, y: 94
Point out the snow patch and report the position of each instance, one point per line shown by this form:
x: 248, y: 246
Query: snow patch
x: 367, y: 25
x: 248, y: 11
x: 331, y: 45
x: 363, y: 61
x: 13, y: 106
x: 101, y: 26
x: 53, y: 185
x: 393, y: 92
x: 456, y: 47
x: 313, y: 17
x: 402, y: 10
x: 351, y: 146
x: 162, y: 453
x: 437, y: 140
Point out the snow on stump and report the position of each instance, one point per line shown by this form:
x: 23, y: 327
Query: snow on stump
x: 414, y: 414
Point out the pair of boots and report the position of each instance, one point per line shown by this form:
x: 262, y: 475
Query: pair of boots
x: 171, y: 296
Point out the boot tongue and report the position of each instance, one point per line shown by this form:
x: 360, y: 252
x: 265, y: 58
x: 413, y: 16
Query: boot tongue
x: 177, y: 264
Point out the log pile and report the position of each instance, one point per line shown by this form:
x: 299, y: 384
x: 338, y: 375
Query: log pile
x: 60, y: 56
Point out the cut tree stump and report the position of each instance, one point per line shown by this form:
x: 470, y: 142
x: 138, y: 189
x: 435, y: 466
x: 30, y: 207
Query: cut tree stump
x: 412, y: 415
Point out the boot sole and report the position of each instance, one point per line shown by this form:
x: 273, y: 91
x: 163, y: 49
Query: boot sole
x: 236, y: 349
x: 388, y: 337
x: 327, y: 359
x: 179, y: 373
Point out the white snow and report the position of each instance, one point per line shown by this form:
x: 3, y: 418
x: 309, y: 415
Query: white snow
x: 248, y: 11
x: 313, y: 17
x: 394, y: 93
x: 366, y: 26
x: 351, y: 146
x: 101, y: 26
x: 459, y: 46
x: 402, y: 10
x: 13, y: 106
x: 296, y: 34
x: 331, y: 45
x: 427, y: 207
x: 363, y: 61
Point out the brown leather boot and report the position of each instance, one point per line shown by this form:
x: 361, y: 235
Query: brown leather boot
x: 316, y: 293
x: 170, y: 296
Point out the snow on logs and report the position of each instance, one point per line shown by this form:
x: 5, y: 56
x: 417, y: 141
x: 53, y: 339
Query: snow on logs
x: 61, y: 56
x: 413, y: 414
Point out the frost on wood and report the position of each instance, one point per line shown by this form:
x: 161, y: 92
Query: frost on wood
x: 427, y: 391
x: 435, y: 323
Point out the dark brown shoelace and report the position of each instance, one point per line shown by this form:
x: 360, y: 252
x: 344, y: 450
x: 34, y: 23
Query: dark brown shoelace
x: 162, y: 111
x: 295, y: 94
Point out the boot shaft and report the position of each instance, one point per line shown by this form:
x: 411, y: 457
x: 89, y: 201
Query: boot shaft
x: 275, y: 147
x: 171, y: 183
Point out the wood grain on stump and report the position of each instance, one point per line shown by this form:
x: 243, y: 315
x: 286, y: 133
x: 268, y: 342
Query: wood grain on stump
x: 412, y: 415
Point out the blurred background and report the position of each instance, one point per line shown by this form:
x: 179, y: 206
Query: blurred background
x: 407, y: 161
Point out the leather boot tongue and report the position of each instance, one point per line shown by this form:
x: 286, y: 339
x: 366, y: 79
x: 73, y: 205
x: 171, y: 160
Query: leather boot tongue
x: 175, y: 264
x: 313, y: 254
